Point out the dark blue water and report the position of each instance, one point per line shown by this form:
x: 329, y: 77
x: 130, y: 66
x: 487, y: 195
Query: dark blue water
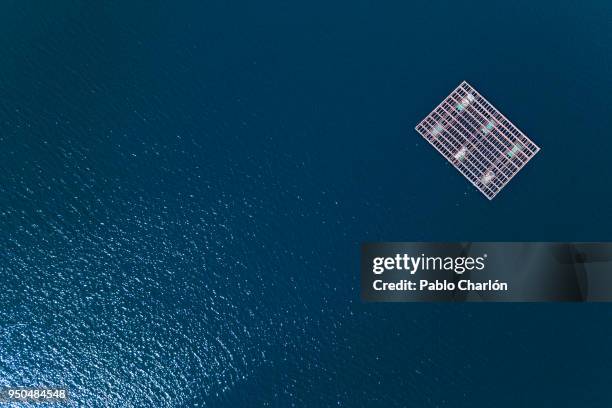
x: 184, y: 188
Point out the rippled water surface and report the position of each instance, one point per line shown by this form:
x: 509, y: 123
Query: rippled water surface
x: 184, y: 188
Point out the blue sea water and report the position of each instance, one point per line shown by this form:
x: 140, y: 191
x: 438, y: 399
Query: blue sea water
x: 184, y: 189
